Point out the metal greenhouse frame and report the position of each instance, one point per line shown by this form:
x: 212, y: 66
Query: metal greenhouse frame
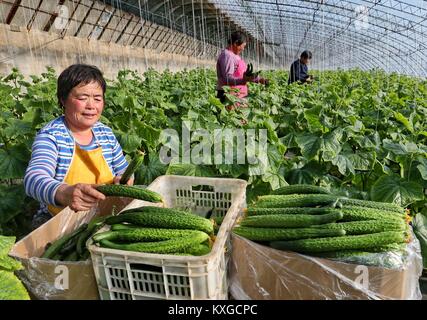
x: 389, y: 34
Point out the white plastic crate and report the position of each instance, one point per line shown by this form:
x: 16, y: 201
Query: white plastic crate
x: 125, y: 275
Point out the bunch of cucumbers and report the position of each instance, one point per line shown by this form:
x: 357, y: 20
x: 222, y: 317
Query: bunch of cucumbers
x: 159, y: 230
x: 311, y: 220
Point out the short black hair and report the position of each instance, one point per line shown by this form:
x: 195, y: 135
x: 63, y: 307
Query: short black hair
x: 78, y: 74
x: 306, y: 54
x: 237, y: 37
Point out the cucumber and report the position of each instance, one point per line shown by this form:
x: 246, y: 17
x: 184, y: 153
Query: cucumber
x: 350, y: 253
x: 366, y: 227
x: 93, y: 227
x: 358, y: 242
x: 167, y: 246
x: 197, y: 250
x: 116, y: 190
x: 143, y: 234
x: 218, y: 220
x: 55, y: 247
x: 300, y: 189
x: 57, y: 257
x: 290, y: 220
x: 120, y: 226
x: 164, y: 220
x: 357, y: 213
x: 255, y: 211
x: 134, y: 165
x: 343, y: 254
x: 389, y: 247
x: 372, y: 204
x: 271, y: 234
x: 70, y: 245
x: 85, y: 255
x: 73, y: 256
x: 295, y: 200
x: 156, y: 209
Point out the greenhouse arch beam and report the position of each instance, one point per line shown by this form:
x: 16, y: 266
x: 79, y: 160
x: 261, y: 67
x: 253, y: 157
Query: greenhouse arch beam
x: 360, y: 41
x: 366, y: 55
x: 373, y: 40
x: 340, y: 4
x: 230, y: 9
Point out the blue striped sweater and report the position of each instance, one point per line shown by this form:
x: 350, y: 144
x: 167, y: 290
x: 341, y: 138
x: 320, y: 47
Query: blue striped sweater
x: 52, y: 152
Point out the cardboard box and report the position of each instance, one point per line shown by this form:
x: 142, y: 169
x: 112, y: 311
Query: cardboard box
x: 59, y: 280
x: 262, y: 273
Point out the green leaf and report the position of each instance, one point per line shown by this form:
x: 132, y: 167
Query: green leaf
x: 275, y: 179
x: 13, y: 162
x: 149, y: 134
x: 422, y: 167
x: 402, y: 119
x: 309, y: 144
x: 400, y: 148
x: 129, y: 142
x: 331, y: 144
x: 344, y: 164
x: 129, y: 103
x: 396, y: 148
x: 233, y: 170
x: 34, y: 116
x: 395, y: 189
x: 357, y: 125
x: 301, y: 176
x: 6, y: 244
x: 184, y: 169
x: 11, y: 288
x: 147, y: 173
x: 305, y: 175
x: 9, y: 264
x: 17, y: 127
x: 361, y: 161
x: 169, y: 106
x: 10, y: 195
x: 312, y: 116
x: 256, y: 189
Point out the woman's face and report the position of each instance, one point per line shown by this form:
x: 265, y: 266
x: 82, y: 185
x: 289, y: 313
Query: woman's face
x: 84, y: 105
x: 238, y: 49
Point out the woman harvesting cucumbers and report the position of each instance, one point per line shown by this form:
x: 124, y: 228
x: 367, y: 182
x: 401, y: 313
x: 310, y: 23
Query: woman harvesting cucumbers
x: 232, y: 70
x: 74, y: 152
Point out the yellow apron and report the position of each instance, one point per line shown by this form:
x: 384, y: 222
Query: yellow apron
x: 87, y: 166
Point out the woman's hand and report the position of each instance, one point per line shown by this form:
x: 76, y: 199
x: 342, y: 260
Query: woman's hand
x: 249, y: 78
x: 263, y: 81
x: 79, y: 197
x: 129, y: 183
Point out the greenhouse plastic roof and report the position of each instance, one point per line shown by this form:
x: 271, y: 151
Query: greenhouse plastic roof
x: 344, y: 33
x: 387, y: 34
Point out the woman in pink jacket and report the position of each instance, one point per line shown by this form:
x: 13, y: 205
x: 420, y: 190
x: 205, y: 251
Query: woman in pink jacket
x: 231, y: 69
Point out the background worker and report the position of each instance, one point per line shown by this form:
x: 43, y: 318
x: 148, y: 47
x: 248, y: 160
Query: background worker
x: 231, y: 68
x: 299, y: 69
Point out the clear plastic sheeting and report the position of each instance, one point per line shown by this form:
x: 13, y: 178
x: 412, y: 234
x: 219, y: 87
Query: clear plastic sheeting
x: 47, y: 279
x: 397, y: 259
x: 262, y: 273
x: 342, y: 34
